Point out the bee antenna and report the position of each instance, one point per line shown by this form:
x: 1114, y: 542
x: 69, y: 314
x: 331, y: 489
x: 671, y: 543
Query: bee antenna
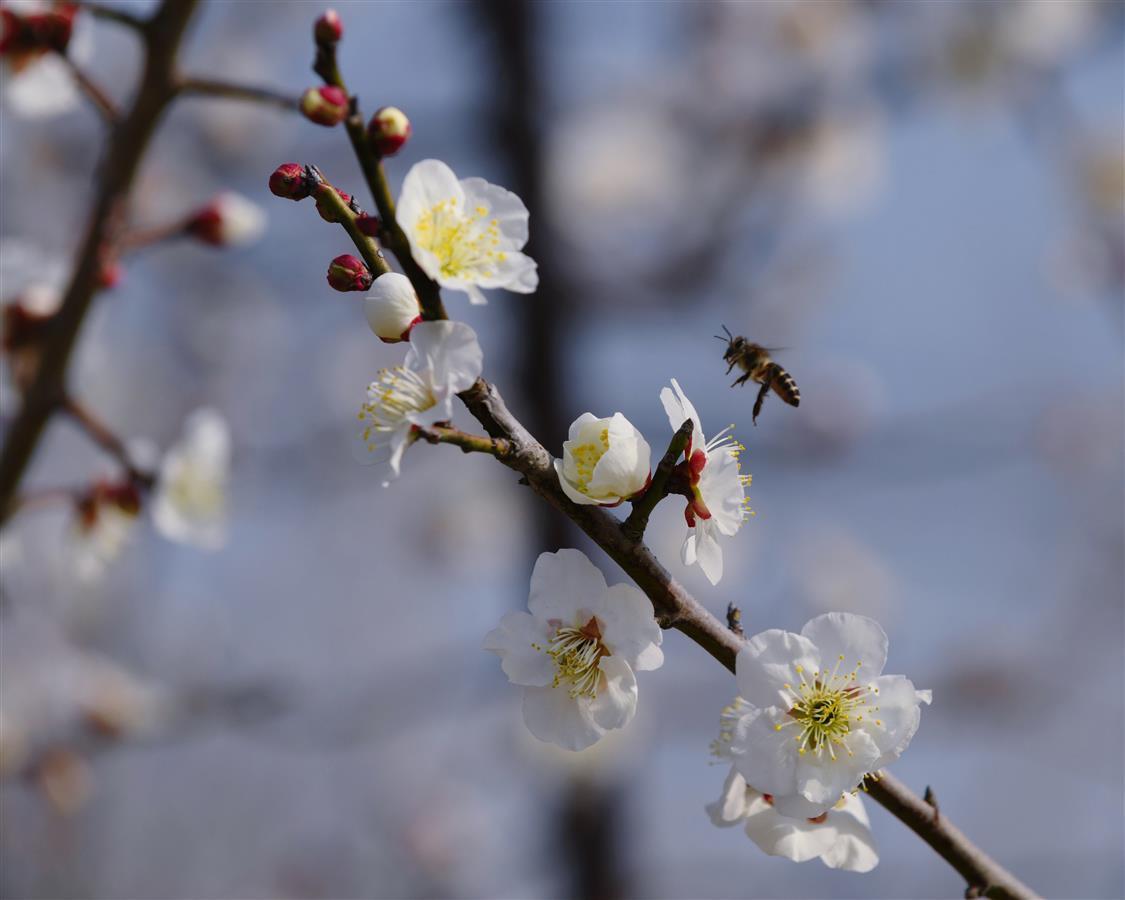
x: 729, y: 337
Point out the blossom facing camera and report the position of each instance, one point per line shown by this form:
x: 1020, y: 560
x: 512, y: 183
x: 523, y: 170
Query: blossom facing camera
x: 718, y: 504
x: 816, y: 714
x: 290, y: 181
x: 392, y: 308
x: 444, y: 359
x: 388, y: 130
x: 604, y: 461
x: 190, y: 505
x: 577, y: 649
x: 328, y: 29
x: 466, y: 235
x: 348, y: 273
x: 230, y: 220
x: 326, y: 105
x: 840, y: 838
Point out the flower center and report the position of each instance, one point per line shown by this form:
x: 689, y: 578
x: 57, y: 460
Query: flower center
x: 586, y: 458
x: 464, y: 243
x: 577, y: 651
x: 394, y: 395
x: 194, y: 491
x: 826, y: 708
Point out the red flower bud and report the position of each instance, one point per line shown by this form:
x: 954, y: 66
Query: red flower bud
x: 291, y: 181
x: 109, y: 275
x: 388, y: 130
x: 328, y: 29
x: 368, y: 224
x: 346, y: 273
x: 228, y: 220
x: 327, y: 105
x: 24, y: 37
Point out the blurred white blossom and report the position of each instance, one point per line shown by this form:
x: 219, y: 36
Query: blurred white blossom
x: 190, y: 503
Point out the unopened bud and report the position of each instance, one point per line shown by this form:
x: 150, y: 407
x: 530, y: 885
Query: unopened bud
x: 368, y: 224
x: 228, y: 220
x: 23, y: 37
x: 327, y: 209
x: 388, y: 130
x: 327, y: 105
x: 291, y: 181
x: 346, y: 273
x: 328, y: 28
x: 109, y: 275
x: 392, y: 308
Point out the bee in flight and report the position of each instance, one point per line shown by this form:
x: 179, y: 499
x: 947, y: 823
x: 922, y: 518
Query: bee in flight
x: 755, y: 362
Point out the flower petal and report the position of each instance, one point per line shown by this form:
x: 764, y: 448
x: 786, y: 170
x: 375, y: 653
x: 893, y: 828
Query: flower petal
x: 616, y: 702
x: 898, y: 716
x: 679, y: 408
x: 768, y: 662
x: 763, y: 755
x: 552, y: 716
x: 562, y: 583
x: 821, y: 779
x: 449, y: 351
x: 797, y: 839
x: 503, y: 205
x: 854, y: 849
x: 514, y: 640
x: 734, y: 802
x: 857, y: 639
x: 629, y: 627
x: 708, y: 551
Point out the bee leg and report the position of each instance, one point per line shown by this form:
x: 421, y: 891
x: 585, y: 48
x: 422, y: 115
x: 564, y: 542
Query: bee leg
x: 731, y: 366
x: 742, y: 380
x: 761, y: 399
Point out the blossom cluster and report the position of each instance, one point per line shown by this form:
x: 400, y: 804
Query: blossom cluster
x: 814, y: 716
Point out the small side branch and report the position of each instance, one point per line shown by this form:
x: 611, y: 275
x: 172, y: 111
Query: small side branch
x: 115, y: 14
x: 101, y: 435
x: 635, y: 525
x: 469, y: 443
x: 329, y: 198
x: 194, y: 86
x: 101, y: 101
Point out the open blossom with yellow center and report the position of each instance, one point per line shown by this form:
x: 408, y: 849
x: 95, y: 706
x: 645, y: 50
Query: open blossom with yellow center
x: 816, y: 714
x: 576, y: 652
x: 604, y: 461
x: 191, y: 503
x: 719, y: 504
x: 444, y: 358
x: 466, y: 234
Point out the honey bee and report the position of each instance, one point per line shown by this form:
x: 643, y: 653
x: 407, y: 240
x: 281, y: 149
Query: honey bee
x: 755, y: 362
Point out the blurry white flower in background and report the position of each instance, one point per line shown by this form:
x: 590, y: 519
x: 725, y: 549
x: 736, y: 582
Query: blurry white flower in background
x: 841, y: 167
x: 466, y: 234
x: 31, y: 276
x: 719, y: 504
x: 229, y: 220
x: 103, y: 524
x: 815, y: 713
x: 604, y: 461
x: 840, y: 838
x: 444, y: 358
x: 190, y: 502
x: 576, y: 652
x: 392, y: 307
x: 37, y: 83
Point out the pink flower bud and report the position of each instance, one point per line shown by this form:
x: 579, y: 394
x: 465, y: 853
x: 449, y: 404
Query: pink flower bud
x: 325, y: 105
x: 24, y: 37
x: 346, y: 273
x: 328, y: 29
x: 368, y: 225
x: 388, y: 130
x: 392, y: 308
x: 109, y: 275
x: 230, y: 219
x: 291, y: 181
x: 326, y: 211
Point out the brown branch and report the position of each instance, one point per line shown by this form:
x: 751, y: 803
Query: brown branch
x: 104, y: 437
x: 676, y: 608
x: 469, y: 443
x: 115, y: 14
x: 194, y: 86
x: 128, y: 142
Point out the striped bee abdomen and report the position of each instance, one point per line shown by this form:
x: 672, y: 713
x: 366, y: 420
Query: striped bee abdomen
x: 784, y: 386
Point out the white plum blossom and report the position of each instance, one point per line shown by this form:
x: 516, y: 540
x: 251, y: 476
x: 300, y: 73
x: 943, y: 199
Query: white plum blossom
x: 444, y: 358
x: 577, y: 651
x: 34, y: 36
x: 604, y: 461
x: 190, y: 504
x: 816, y: 713
x: 840, y: 838
x: 466, y: 234
x: 392, y: 307
x: 103, y: 526
x: 229, y: 220
x: 719, y: 504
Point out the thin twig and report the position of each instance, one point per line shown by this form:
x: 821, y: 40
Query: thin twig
x: 115, y: 14
x: 429, y: 292
x: 194, y: 86
x: 106, y: 108
x: 469, y: 443
x: 635, y: 525
x: 104, y: 437
x: 328, y: 197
